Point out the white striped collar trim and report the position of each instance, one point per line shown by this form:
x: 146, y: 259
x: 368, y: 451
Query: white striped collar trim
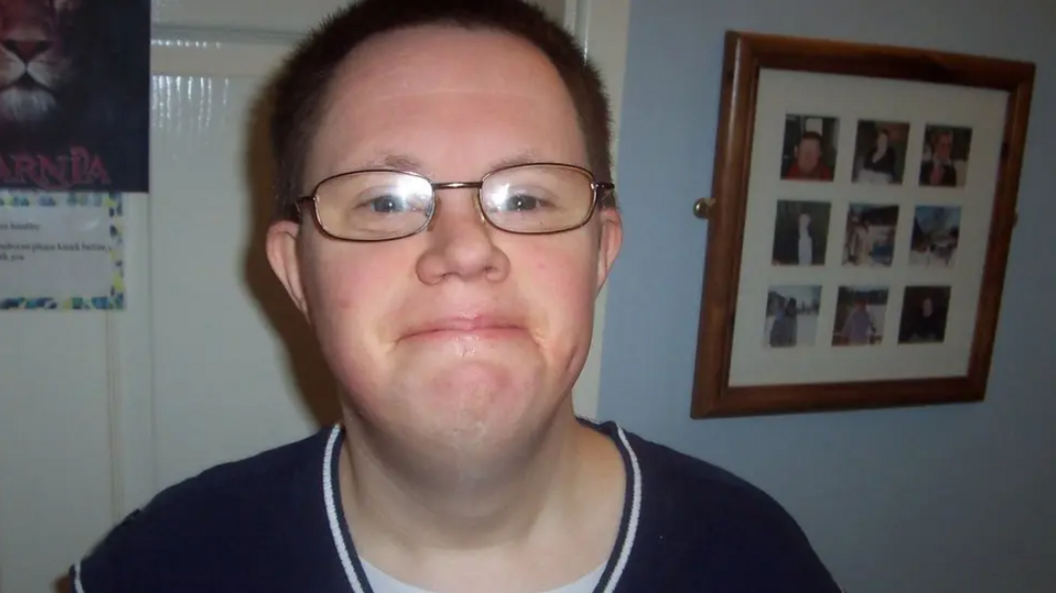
x: 635, y: 473
x: 617, y: 562
x: 332, y: 515
x: 78, y: 586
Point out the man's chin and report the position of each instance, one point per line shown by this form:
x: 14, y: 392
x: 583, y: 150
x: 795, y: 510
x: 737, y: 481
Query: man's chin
x: 484, y: 389
x: 468, y: 419
x: 481, y: 381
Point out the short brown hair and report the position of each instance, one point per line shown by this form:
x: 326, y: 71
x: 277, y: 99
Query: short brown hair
x: 812, y: 136
x: 301, y: 88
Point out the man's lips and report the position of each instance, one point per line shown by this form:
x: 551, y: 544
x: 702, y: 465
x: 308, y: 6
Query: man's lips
x: 477, y: 327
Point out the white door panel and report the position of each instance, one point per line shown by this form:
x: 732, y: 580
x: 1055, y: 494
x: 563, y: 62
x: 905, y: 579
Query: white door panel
x: 222, y: 385
x: 261, y: 15
x: 55, y: 473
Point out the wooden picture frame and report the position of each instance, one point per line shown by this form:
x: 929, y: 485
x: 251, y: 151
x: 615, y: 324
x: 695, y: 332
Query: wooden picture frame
x: 867, y: 283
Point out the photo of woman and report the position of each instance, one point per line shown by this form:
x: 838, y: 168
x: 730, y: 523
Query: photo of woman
x: 880, y: 151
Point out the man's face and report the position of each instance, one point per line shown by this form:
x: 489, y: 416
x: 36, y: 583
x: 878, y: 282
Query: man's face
x: 463, y: 337
x: 808, y: 154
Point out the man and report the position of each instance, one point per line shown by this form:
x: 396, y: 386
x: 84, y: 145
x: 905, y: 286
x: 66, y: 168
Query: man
x: 446, y: 222
x: 939, y: 171
x: 808, y: 163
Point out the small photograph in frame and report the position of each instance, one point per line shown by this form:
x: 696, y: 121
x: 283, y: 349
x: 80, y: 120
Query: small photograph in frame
x: 870, y: 235
x: 880, y: 152
x: 801, y: 233
x: 810, y: 146
x: 936, y: 232
x: 944, y: 159
x: 860, y: 314
x: 924, y: 311
x: 792, y: 316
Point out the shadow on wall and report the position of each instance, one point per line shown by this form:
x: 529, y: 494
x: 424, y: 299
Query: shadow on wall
x: 312, y: 377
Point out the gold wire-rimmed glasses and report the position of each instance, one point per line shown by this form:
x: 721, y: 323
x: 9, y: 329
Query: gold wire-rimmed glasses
x: 388, y: 204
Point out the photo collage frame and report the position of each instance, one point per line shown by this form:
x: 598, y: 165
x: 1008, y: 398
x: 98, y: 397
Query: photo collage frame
x: 852, y: 219
x: 859, y: 223
x: 869, y: 233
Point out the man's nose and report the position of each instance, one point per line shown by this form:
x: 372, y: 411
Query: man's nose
x: 461, y: 241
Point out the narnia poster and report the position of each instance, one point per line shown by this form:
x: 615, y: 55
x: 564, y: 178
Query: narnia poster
x: 75, y: 95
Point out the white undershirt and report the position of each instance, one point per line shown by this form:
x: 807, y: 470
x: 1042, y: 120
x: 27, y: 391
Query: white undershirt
x: 381, y: 582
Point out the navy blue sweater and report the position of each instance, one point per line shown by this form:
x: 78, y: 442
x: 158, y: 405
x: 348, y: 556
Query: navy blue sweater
x: 273, y: 523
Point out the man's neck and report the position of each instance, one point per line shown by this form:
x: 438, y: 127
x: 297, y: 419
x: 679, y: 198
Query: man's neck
x: 433, y: 523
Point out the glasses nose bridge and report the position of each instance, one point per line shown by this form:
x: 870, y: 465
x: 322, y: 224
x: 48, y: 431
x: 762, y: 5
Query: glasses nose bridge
x: 476, y: 186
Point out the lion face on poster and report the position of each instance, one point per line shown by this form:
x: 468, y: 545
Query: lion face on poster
x: 36, y: 59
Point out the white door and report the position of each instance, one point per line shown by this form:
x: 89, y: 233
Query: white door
x: 209, y: 362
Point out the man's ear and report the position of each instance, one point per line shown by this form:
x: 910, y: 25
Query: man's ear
x: 281, y: 245
x: 609, y: 242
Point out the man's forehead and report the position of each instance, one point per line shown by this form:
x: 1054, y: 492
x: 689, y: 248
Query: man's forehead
x: 445, y: 59
x: 396, y: 90
x: 423, y: 63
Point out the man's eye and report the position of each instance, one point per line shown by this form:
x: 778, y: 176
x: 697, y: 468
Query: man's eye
x: 522, y: 203
x: 387, y: 205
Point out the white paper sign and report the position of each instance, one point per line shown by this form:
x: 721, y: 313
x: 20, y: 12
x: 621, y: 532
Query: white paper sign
x: 61, y: 251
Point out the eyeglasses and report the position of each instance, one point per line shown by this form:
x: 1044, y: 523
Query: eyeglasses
x: 384, y: 204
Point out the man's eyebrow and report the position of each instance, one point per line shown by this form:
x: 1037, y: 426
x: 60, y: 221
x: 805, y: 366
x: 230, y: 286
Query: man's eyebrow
x: 521, y: 158
x: 401, y: 161
x: 406, y: 162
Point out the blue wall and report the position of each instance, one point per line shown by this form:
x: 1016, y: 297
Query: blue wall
x: 959, y: 498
